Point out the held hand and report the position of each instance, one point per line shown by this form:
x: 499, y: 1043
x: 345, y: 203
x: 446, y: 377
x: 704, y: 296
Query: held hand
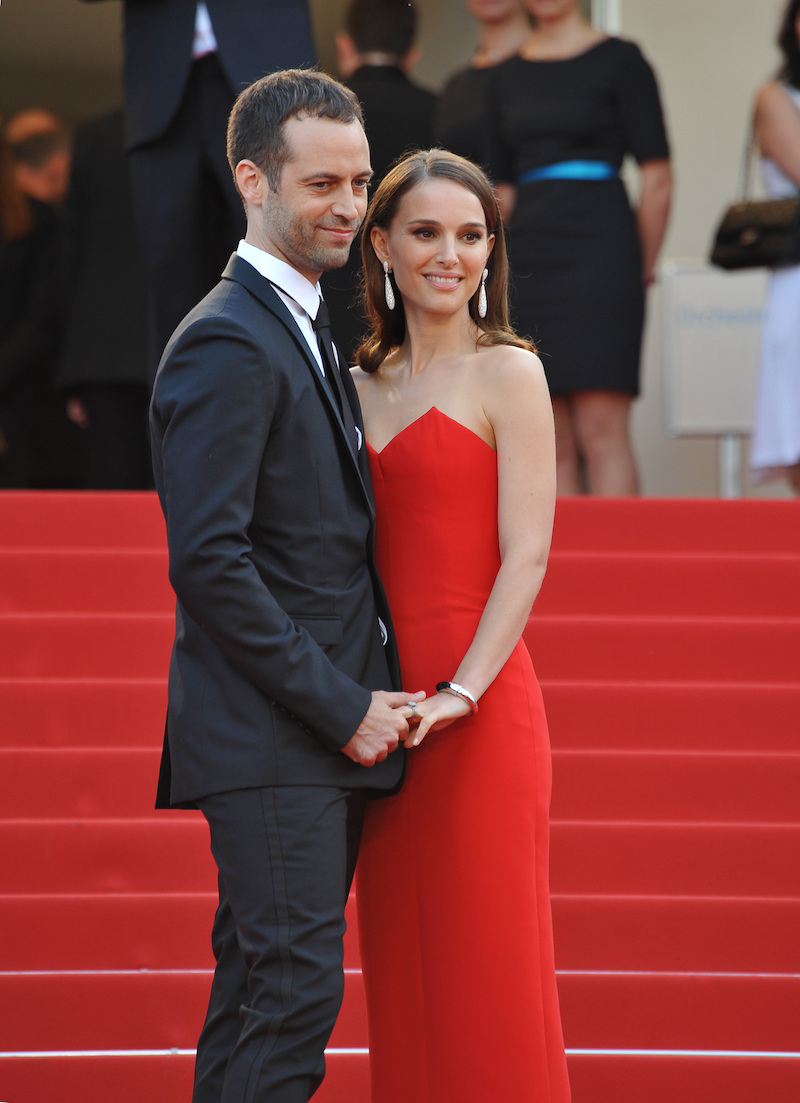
x: 381, y: 730
x: 436, y: 712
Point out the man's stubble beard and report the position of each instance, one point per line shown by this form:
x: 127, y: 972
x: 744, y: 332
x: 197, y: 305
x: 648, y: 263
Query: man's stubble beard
x: 296, y: 238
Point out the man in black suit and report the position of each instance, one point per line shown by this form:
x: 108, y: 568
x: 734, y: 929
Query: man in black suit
x: 184, y: 64
x: 375, y: 53
x: 279, y: 721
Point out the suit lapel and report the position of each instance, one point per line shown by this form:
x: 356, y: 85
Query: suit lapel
x: 241, y: 272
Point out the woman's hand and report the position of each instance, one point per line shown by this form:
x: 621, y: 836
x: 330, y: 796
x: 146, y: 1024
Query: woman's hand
x: 435, y: 712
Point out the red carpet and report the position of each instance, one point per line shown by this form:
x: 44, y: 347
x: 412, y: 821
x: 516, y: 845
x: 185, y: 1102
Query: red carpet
x: 667, y: 640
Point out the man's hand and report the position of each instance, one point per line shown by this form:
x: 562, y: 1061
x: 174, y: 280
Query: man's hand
x: 381, y: 730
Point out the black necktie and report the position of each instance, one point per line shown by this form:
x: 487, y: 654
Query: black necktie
x: 322, y: 328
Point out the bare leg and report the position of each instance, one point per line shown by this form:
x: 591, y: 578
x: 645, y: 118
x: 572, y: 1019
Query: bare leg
x: 568, y: 463
x: 600, y: 421
x: 793, y: 474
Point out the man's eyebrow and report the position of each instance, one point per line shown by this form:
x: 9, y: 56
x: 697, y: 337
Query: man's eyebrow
x: 324, y: 174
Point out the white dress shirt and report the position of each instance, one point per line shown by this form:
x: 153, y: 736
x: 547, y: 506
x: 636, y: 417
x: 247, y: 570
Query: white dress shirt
x: 300, y: 296
x: 204, y: 39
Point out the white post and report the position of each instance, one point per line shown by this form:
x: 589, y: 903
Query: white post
x: 729, y: 454
x: 607, y: 14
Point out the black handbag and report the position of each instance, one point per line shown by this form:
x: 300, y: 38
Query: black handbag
x: 757, y: 233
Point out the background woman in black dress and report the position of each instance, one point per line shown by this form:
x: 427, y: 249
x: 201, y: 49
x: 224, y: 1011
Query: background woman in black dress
x: 462, y: 124
x: 563, y: 115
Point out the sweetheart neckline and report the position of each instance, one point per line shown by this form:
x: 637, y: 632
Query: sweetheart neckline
x: 417, y: 420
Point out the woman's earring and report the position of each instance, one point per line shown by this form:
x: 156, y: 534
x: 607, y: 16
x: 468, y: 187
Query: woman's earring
x: 388, y: 290
x: 483, y: 306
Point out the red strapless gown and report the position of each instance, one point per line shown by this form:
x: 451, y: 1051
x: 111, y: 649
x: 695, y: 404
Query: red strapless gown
x: 452, y: 882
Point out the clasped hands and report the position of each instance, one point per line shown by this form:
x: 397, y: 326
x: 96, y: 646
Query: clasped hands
x: 398, y: 717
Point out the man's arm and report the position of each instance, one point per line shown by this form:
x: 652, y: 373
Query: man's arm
x: 213, y: 409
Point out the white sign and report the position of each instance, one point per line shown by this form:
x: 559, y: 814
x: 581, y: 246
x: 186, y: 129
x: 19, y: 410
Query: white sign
x: 712, y: 334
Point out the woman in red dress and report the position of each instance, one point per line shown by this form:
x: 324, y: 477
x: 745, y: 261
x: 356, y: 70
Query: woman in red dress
x: 454, y: 907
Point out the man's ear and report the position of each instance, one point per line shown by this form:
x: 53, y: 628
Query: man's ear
x: 377, y: 238
x: 346, y: 54
x: 252, y: 183
x: 410, y: 59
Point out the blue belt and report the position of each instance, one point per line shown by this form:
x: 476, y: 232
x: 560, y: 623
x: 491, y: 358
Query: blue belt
x: 570, y: 170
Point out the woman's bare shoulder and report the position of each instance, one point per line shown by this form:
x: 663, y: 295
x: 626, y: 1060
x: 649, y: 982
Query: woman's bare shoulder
x: 510, y: 365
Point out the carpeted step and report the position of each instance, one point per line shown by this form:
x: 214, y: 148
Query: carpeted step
x: 677, y: 933
x: 86, y: 783
x: 83, y: 712
x: 597, y: 648
x: 664, y: 648
x: 662, y: 525
x: 79, y: 520
x: 124, y: 1011
x: 129, y: 712
x: 674, y: 859
x: 681, y: 716
x: 699, y: 787
x: 173, y: 930
x: 119, y: 580
x: 595, y: 1078
x: 96, y: 645
x: 679, y: 1011
x: 155, y: 1010
x: 692, y: 1077
x: 110, y: 783
x: 161, y: 1077
x: 168, y: 852
x: 655, y: 584
x: 93, y: 856
x: 125, y: 931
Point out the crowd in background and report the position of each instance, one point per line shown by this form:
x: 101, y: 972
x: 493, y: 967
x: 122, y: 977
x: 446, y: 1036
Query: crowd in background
x: 111, y: 234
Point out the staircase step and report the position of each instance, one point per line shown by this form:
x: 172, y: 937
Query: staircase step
x: 154, y: 1078
x: 83, y: 712
x: 125, y: 931
x: 679, y: 716
x: 664, y: 649
x: 169, y: 852
x: 97, y: 856
x: 75, y: 519
x: 622, y: 584
x: 679, y: 1011
x: 102, y: 783
x: 674, y: 859
x: 124, y: 1011
x: 85, y: 645
x: 596, y: 648
x: 90, y: 783
x: 677, y: 933
x: 692, y: 1077
x: 752, y: 526
x: 673, y: 786
x: 85, y: 580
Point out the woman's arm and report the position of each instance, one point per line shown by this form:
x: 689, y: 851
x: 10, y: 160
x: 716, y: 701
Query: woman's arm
x: 652, y: 214
x: 517, y: 404
x: 777, y: 123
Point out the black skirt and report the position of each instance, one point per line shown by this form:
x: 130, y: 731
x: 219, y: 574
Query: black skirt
x: 577, y: 282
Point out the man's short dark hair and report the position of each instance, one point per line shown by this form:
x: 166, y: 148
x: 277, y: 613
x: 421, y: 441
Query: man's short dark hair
x: 381, y: 26
x: 256, y: 124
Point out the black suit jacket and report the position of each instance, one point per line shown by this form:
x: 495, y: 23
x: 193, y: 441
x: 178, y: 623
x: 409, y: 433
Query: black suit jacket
x: 254, y: 37
x: 103, y: 297
x: 270, y: 527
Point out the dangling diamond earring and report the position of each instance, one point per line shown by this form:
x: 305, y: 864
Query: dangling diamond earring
x: 483, y: 306
x: 388, y: 290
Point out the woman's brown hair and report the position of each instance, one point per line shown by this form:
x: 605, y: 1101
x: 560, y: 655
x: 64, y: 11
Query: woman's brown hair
x: 388, y: 327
